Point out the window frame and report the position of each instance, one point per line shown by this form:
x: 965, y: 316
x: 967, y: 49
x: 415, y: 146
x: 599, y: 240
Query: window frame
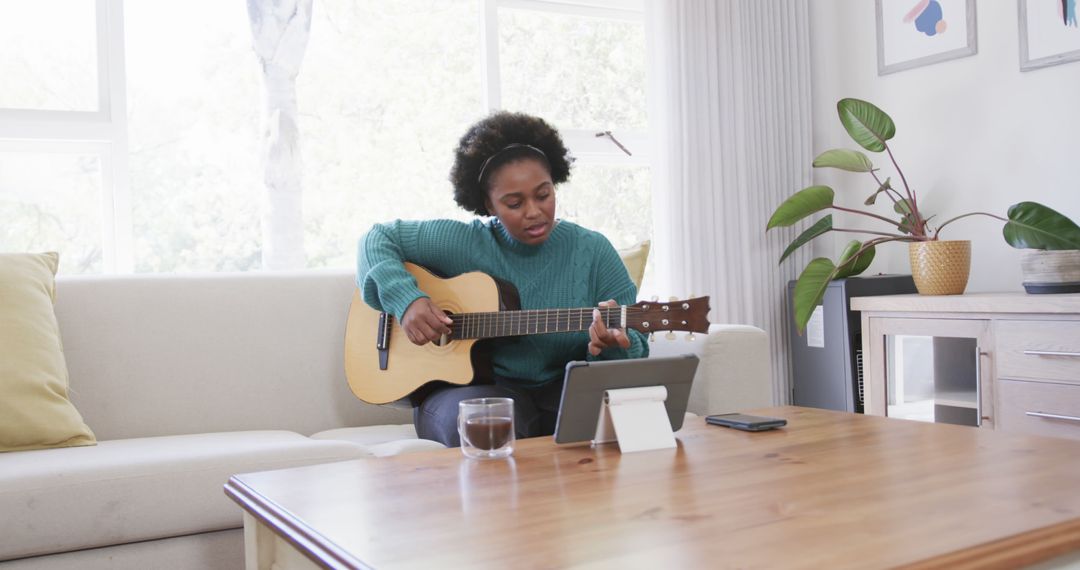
x: 102, y: 132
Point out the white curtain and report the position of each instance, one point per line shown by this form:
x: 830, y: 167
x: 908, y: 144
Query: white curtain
x: 730, y: 107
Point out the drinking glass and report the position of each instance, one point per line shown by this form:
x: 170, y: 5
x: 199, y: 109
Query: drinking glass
x: 486, y: 427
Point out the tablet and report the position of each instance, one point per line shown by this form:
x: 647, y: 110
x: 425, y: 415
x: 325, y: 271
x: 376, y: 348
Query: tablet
x: 586, y: 382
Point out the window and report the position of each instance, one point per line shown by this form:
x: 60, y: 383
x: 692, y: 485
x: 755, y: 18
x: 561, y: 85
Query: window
x: 378, y: 125
x: 613, y: 200
x: 49, y: 63
x: 60, y: 211
x: 579, y: 72
x: 193, y: 128
x: 131, y: 135
x: 61, y: 153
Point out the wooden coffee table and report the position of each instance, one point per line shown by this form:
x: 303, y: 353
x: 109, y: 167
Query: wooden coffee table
x: 829, y: 490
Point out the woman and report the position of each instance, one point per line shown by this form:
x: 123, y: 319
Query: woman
x: 506, y: 166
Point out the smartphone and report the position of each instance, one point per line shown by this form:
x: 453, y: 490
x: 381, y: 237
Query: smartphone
x: 746, y: 422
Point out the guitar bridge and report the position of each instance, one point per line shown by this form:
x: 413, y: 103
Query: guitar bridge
x: 382, y: 341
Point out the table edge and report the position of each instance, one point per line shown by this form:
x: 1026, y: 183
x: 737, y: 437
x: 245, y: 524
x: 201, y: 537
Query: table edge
x: 1015, y: 551
x: 282, y: 523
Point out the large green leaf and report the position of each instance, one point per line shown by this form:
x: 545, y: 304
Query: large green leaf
x: 810, y: 289
x: 864, y: 261
x: 844, y: 159
x: 848, y: 251
x: 867, y: 125
x: 846, y: 269
x: 801, y: 204
x: 1034, y: 226
x: 821, y: 226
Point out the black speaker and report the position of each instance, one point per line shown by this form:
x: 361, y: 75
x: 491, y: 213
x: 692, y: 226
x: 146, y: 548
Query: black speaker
x: 826, y: 360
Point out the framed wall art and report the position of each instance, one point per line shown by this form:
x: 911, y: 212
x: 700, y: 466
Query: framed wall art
x: 1049, y: 34
x: 914, y: 33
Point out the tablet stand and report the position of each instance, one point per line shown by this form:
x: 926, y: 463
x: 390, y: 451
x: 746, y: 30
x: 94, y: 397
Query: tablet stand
x: 636, y: 418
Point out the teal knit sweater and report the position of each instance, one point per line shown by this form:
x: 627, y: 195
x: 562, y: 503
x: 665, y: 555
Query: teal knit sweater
x: 573, y: 268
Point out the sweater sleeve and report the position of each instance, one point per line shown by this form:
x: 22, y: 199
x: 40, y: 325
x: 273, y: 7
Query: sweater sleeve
x: 613, y: 282
x: 440, y: 245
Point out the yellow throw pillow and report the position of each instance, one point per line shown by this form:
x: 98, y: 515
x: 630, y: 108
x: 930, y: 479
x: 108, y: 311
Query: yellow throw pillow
x: 34, y: 409
x: 634, y: 258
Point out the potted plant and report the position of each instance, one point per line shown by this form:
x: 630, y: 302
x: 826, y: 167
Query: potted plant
x: 938, y: 266
x: 1051, y: 260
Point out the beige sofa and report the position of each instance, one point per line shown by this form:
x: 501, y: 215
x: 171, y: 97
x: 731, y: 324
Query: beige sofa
x: 188, y: 379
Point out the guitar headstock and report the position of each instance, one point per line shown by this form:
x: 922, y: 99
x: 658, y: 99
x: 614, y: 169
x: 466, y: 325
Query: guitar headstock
x: 690, y: 315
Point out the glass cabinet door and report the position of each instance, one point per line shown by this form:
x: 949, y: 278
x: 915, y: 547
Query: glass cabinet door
x: 933, y: 370
x: 933, y: 378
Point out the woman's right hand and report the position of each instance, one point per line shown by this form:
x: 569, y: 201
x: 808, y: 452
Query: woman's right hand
x: 424, y: 322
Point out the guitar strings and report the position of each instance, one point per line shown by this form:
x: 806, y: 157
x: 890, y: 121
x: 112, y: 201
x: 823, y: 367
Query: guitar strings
x: 538, y: 315
x: 531, y: 321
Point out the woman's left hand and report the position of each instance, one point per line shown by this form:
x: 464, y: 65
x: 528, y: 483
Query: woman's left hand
x: 601, y: 337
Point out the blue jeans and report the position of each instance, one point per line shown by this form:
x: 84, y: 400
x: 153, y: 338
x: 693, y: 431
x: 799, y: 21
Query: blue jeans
x: 535, y: 409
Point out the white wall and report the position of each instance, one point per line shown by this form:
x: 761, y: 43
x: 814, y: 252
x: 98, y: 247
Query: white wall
x: 973, y: 134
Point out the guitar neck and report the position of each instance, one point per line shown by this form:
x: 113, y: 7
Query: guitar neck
x: 540, y: 321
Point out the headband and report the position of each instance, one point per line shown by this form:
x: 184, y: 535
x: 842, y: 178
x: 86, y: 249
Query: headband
x: 504, y: 150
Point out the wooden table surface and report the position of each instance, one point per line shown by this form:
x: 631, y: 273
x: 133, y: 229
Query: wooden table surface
x: 829, y: 490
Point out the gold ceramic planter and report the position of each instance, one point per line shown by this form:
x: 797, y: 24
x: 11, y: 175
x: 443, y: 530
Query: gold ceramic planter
x: 940, y: 267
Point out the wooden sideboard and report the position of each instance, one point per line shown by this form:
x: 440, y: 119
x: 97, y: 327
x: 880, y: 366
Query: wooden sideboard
x: 1028, y: 346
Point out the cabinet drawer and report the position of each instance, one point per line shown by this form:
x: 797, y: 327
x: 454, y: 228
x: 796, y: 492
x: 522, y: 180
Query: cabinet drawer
x: 1019, y: 344
x: 1017, y: 398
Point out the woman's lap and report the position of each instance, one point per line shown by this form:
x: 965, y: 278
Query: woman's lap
x: 535, y: 409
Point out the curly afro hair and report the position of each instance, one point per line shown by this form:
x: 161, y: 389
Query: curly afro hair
x: 491, y: 135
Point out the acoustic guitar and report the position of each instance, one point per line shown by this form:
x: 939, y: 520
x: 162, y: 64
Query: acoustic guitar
x: 382, y: 365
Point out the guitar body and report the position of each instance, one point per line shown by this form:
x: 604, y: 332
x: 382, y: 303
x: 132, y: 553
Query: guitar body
x: 411, y: 367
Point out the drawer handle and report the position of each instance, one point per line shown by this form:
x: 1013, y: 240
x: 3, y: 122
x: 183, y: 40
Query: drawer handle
x: 1053, y: 416
x: 1050, y: 353
x: 979, y: 417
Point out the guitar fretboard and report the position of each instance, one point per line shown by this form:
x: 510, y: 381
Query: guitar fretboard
x: 540, y: 321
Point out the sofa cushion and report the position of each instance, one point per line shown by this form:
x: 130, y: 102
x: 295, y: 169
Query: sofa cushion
x: 155, y: 355
x: 369, y: 435
x: 733, y: 374
x: 634, y: 258
x: 382, y: 441
x: 35, y: 411
x: 122, y: 491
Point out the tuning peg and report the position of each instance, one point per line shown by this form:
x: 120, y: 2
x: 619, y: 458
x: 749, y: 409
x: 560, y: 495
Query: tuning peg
x: 670, y: 335
x: 690, y: 337
x: 672, y: 298
x: 654, y: 298
x: 651, y: 339
x: 692, y: 295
